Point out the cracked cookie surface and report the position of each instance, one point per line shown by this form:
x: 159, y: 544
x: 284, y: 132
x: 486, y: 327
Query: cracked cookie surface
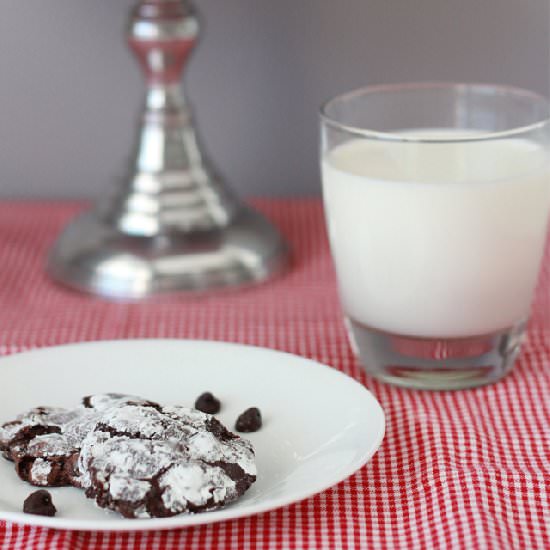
x: 44, y: 442
x: 158, y: 462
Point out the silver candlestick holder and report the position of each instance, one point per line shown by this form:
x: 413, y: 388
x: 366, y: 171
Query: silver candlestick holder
x: 172, y: 225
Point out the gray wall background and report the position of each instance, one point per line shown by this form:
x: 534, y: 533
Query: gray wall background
x: 70, y: 92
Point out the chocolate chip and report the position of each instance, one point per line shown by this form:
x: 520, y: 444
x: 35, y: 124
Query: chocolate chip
x: 39, y: 503
x: 207, y: 403
x: 249, y: 421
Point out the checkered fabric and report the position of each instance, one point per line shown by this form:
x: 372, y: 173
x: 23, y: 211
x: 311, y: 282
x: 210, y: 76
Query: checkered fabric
x: 467, y: 469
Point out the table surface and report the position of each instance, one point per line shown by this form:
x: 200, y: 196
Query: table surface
x: 465, y: 469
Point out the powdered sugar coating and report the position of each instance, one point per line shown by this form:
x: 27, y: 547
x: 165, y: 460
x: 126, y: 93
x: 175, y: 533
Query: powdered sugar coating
x: 40, y: 471
x: 44, y: 446
x: 146, y: 462
x: 103, y: 401
x: 37, y: 416
x: 54, y: 435
x: 195, y: 484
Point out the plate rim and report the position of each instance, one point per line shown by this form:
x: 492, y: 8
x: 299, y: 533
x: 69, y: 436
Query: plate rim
x: 183, y: 521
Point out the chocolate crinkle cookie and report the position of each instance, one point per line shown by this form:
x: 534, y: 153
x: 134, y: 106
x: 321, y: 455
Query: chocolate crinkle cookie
x: 44, y: 442
x: 132, y: 455
x: 144, y: 462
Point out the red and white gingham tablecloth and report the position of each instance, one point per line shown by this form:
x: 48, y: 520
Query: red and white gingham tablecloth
x: 466, y: 469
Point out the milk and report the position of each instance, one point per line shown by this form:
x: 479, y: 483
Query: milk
x: 437, y: 239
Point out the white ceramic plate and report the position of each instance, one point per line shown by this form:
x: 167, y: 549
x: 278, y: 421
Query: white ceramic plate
x: 320, y: 426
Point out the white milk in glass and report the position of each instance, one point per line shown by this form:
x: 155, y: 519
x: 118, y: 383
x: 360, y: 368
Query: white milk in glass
x: 437, y: 239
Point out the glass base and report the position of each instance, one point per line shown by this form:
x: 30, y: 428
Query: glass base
x: 436, y: 363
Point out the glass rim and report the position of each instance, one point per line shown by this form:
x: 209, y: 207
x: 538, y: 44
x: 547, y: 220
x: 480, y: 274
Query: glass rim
x: 411, y: 138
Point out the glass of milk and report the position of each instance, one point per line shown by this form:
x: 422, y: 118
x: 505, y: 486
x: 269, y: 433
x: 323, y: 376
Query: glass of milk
x: 437, y: 199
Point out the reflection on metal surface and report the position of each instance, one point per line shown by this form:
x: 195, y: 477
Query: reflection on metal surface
x: 172, y: 225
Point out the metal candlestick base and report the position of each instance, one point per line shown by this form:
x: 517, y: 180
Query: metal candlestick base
x: 172, y: 226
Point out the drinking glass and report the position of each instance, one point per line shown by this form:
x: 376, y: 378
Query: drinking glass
x: 437, y: 199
